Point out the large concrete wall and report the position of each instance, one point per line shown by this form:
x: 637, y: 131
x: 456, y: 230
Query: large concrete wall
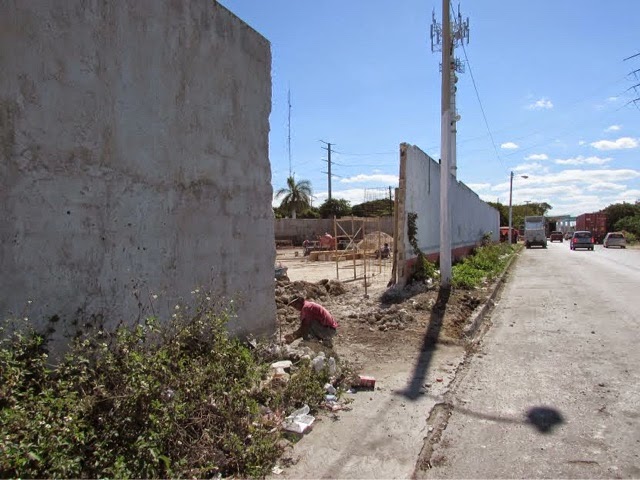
x: 419, y: 192
x: 133, y: 160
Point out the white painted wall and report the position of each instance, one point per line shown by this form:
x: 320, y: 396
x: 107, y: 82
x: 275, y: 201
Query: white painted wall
x: 133, y: 160
x: 419, y: 192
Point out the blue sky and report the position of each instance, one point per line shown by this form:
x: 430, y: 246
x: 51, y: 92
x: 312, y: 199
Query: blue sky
x: 550, y: 76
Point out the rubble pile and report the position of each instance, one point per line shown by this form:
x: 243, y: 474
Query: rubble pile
x: 391, y: 318
x: 285, y: 291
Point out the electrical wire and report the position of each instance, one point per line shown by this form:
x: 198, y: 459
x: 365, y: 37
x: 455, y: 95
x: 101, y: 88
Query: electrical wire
x: 484, y: 116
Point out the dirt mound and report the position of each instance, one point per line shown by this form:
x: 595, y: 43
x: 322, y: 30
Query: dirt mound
x: 285, y: 291
x: 374, y: 240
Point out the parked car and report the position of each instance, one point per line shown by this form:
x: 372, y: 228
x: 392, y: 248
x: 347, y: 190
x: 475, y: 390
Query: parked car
x: 614, y: 239
x: 582, y: 239
x: 555, y: 237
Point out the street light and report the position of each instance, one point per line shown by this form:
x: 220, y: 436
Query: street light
x: 510, y: 197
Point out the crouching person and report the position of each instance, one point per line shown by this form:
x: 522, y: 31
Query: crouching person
x: 315, y: 322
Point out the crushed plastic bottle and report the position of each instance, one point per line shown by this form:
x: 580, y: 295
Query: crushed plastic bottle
x: 331, y: 364
x: 318, y: 363
x: 330, y: 389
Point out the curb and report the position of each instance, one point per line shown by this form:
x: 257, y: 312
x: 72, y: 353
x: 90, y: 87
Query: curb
x: 479, y: 315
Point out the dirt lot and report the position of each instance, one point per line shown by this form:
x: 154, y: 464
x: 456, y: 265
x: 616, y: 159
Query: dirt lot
x: 411, y: 341
x: 374, y: 326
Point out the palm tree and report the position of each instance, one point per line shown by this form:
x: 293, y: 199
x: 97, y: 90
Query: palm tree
x: 297, y: 196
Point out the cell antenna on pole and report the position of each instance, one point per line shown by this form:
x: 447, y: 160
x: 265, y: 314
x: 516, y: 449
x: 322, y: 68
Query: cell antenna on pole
x: 458, y: 33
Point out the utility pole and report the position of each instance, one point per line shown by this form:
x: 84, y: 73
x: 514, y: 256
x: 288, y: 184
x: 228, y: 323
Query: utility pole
x: 448, y: 121
x: 459, y: 31
x: 328, y: 149
x: 289, y: 128
x: 510, y: 207
x: 445, y: 150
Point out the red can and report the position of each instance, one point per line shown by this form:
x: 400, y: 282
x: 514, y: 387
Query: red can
x: 366, y: 381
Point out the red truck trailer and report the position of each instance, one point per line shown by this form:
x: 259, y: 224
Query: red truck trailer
x: 596, y: 223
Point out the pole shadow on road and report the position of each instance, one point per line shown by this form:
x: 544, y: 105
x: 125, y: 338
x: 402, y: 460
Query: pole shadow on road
x: 543, y: 419
x: 415, y: 388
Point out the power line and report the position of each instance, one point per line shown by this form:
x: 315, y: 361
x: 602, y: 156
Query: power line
x: 484, y: 116
x: 366, y: 154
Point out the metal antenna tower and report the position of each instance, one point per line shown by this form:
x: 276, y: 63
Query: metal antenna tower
x: 459, y: 32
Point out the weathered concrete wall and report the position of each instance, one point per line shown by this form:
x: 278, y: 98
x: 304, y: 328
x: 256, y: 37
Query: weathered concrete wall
x: 133, y: 160
x: 299, y: 229
x: 419, y: 192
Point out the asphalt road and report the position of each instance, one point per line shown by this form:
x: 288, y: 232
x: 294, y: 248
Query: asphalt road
x: 555, y: 390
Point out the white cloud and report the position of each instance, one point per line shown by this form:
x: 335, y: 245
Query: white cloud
x: 530, y: 167
x: 570, y: 192
x: 353, y: 195
x: 605, y: 186
x: 376, y: 177
x: 537, y: 156
x: 613, y: 128
x: 540, y: 104
x: 623, y: 142
x: 570, y: 177
x: 581, y: 142
x: 509, y: 146
x: 612, y: 99
x: 580, y: 160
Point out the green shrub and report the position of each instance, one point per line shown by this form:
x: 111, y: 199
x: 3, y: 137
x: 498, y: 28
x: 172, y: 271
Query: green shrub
x: 630, y: 238
x: 423, y: 269
x: 485, y: 263
x: 156, y: 400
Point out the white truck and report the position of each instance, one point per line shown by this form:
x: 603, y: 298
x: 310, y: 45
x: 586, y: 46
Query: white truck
x: 534, y: 232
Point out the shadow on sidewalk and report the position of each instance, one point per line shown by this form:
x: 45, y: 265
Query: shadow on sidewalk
x: 414, y: 390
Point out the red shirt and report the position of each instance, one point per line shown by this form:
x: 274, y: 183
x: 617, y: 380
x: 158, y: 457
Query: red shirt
x: 312, y: 312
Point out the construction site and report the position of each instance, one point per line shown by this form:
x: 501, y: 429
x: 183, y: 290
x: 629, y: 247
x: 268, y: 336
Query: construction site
x: 411, y: 340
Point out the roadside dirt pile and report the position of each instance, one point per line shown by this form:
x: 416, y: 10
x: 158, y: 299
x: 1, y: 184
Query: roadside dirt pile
x: 374, y: 240
x: 321, y: 291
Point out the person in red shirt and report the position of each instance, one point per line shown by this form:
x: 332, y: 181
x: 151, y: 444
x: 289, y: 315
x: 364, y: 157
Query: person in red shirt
x: 315, y: 322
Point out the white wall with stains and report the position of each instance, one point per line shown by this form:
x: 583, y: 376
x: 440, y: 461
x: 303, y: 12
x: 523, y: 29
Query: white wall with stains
x: 419, y: 192
x: 133, y: 161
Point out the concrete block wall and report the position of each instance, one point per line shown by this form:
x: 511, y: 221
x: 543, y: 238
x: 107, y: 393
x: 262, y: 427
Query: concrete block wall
x: 419, y: 192
x: 299, y: 229
x: 133, y: 161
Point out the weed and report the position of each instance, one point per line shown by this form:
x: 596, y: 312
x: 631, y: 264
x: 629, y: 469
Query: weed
x: 485, y: 264
x: 423, y: 269
x: 155, y: 400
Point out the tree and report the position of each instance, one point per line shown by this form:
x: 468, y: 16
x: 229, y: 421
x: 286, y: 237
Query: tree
x: 311, y: 212
x: 335, y: 206
x: 628, y: 224
x: 504, y: 213
x: 296, y: 196
x: 617, y: 211
x: 374, y: 208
